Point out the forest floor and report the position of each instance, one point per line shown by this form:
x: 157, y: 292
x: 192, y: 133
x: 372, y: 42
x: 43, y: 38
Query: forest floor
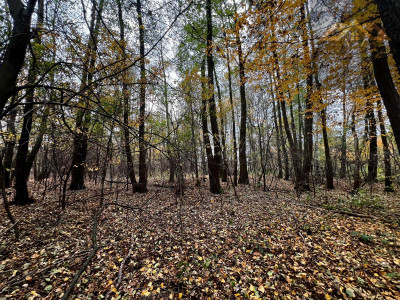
x: 251, y: 244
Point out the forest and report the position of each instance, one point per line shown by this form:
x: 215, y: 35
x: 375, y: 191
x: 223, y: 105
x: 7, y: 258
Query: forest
x: 199, y: 149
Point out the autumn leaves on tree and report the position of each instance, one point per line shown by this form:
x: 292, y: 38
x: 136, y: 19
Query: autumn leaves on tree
x: 232, y: 53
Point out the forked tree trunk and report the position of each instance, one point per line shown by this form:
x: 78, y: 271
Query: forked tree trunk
x: 83, y: 116
x: 213, y: 170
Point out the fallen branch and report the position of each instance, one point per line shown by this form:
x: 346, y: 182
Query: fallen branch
x: 95, y: 246
x: 121, y: 267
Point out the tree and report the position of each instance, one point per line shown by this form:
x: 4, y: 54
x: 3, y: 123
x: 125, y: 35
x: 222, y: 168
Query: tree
x: 21, y: 168
x: 14, y: 56
x: 390, y: 14
x: 385, y: 83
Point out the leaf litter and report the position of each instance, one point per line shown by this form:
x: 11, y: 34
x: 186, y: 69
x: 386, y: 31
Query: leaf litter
x: 258, y: 245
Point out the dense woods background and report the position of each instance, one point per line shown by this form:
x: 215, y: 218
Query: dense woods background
x: 271, y: 110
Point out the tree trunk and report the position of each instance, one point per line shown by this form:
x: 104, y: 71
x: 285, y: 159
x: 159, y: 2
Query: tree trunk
x: 21, y: 168
x: 215, y: 186
x: 308, y: 115
x: 357, y: 178
x: 125, y: 97
x: 328, y: 158
x: 141, y: 187
x: 390, y: 15
x: 9, y: 149
x: 243, y: 174
x: 373, y: 144
x: 194, y: 144
x: 386, y: 150
x: 343, y: 155
x: 296, y: 159
x: 283, y: 144
x: 386, y: 86
x: 15, y: 51
x: 278, y: 142
x: 213, y: 170
x: 83, y: 117
x: 235, y: 162
x: 223, y: 137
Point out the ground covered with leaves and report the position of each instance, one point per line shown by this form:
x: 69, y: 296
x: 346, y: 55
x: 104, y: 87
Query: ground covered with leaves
x: 243, y: 244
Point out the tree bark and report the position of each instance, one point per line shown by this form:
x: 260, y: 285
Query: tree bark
x: 21, y: 168
x: 141, y: 187
x: 343, y: 156
x: 278, y: 142
x: 15, y: 52
x: 215, y: 186
x: 235, y: 162
x: 213, y: 170
x: 223, y: 137
x: 83, y: 117
x: 243, y: 173
x: 357, y: 178
x: 386, y: 86
x: 125, y: 97
x: 386, y: 150
x: 308, y: 115
x: 390, y: 15
x: 9, y: 149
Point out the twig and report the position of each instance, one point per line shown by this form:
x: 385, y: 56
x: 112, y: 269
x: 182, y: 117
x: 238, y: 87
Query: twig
x: 95, y: 246
x: 121, y: 267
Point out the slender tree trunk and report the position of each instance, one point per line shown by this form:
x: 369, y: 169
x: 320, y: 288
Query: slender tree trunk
x: 386, y: 86
x: 308, y: 116
x: 167, y: 117
x: 300, y: 120
x: 235, y: 162
x: 83, y: 116
x: 38, y: 142
x: 125, y: 97
x: 141, y: 187
x: 243, y: 173
x: 386, y: 150
x: 283, y: 144
x: 343, y: 150
x: 213, y: 170
x: 357, y: 178
x: 293, y: 125
x: 278, y: 142
x: 328, y: 158
x: 296, y: 159
x: 373, y: 144
x: 215, y: 186
x: 194, y: 144
x: 9, y: 149
x: 223, y: 137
